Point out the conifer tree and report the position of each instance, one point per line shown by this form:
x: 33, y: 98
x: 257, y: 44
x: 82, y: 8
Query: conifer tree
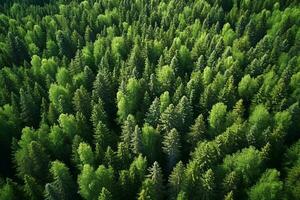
x: 153, y: 185
x: 152, y: 116
x: 171, y: 147
x: 136, y: 142
x: 32, y: 188
x: 198, y: 132
x: 105, y: 194
x: 176, y: 180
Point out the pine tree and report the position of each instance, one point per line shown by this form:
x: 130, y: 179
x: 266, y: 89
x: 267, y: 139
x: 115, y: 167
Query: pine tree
x: 152, y: 116
x: 32, y: 160
x: 176, y: 179
x: 129, y: 98
x: 228, y: 93
x: 184, y: 111
x: 92, y: 181
x: 98, y: 114
x: 136, y: 142
x: 166, y: 78
x: 208, y: 185
x: 144, y: 195
x: 104, y: 88
x: 151, y: 141
x: 198, y: 132
x: 29, y: 113
x: 86, y: 154
x: 62, y: 186
x: 171, y: 147
x: 32, y: 188
x: 164, y: 101
x: 216, y: 119
x: 102, y: 139
x: 105, y: 195
x: 169, y: 118
x: 88, y: 78
x: 81, y: 102
x: 152, y: 187
x: 128, y: 130
x: 64, y: 45
x: 51, y: 192
x: 268, y: 187
x: 229, y: 196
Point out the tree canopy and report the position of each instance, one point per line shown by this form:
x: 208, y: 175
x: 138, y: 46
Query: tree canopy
x: 149, y: 99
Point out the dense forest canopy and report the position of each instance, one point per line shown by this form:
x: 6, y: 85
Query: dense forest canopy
x: 149, y: 99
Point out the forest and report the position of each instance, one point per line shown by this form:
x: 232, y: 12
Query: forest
x: 150, y: 99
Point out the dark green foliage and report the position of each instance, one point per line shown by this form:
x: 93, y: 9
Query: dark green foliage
x: 32, y: 188
x: 171, y: 147
x: 152, y: 187
x: 32, y: 160
x: 204, y: 93
x: 63, y: 186
x: 176, y: 179
x: 198, y: 132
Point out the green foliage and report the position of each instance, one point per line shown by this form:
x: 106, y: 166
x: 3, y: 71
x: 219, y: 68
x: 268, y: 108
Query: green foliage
x: 151, y: 140
x: 99, y: 91
x: 32, y: 160
x: 171, y: 147
x: 86, y: 154
x: 198, y: 131
x: 259, y: 121
x: 92, y: 181
x: 60, y: 97
x: 152, y: 116
x: 152, y: 187
x: 166, y: 77
x: 268, y: 187
x: 62, y: 186
x: 216, y: 119
x: 8, y: 191
x: 176, y: 179
x: 129, y: 99
x: 105, y: 195
x: 102, y: 136
x: 31, y: 188
x: 247, y: 164
x: 292, y: 183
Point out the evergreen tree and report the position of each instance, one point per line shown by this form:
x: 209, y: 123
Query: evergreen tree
x: 208, y: 185
x: 102, y: 137
x: 101, y: 90
x: 136, y: 142
x: 29, y: 113
x: 171, y: 147
x: 98, y: 114
x: 153, y: 185
x: 32, y: 160
x: 184, y: 111
x: 105, y: 195
x: 152, y: 116
x: 86, y: 154
x: 268, y: 187
x: 81, y: 102
x: 198, y: 132
x: 216, y: 119
x: 63, y: 185
x: 32, y: 188
x: 176, y: 179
